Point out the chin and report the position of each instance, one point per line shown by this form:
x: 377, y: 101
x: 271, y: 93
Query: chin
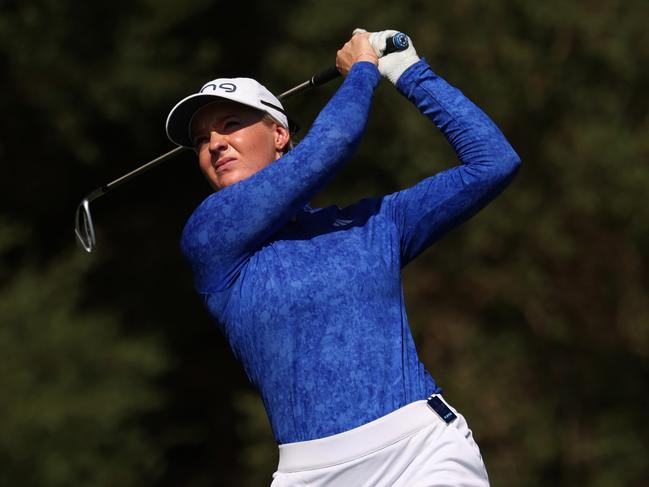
x: 225, y: 181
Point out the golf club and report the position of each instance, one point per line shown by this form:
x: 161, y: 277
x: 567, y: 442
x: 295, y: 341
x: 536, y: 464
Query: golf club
x: 83, y: 225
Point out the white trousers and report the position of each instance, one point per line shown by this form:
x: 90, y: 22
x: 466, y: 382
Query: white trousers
x: 410, y: 447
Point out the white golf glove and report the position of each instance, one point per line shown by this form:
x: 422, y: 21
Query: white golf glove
x: 394, y: 64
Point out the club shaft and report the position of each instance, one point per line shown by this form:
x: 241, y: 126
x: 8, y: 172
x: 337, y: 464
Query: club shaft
x: 145, y: 167
x: 316, y: 80
x: 295, y: 90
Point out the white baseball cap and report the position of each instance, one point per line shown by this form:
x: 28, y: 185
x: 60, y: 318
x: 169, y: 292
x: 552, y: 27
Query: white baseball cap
x: 246, y: 91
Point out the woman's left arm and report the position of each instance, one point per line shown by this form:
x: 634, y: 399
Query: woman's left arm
x: 426, y: 211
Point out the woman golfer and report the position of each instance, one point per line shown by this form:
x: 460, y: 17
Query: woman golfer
x: 310, y: 299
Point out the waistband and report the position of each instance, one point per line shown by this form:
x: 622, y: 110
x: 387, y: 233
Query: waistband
x: 355, y: 443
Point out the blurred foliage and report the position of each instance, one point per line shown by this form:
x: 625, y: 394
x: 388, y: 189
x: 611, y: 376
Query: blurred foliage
x: 73, y: 389
x: 534, y: 316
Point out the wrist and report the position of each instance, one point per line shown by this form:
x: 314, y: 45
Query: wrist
x: 366, y: 70
x: 367, y: 56
x: 395, y: 69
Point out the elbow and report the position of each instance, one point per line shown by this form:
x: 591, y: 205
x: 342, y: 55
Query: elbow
x: 509, y: 163
x: 512, y: 163
x: 499, y: 170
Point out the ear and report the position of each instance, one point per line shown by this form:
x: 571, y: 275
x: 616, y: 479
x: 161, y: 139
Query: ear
x: 282, y: 137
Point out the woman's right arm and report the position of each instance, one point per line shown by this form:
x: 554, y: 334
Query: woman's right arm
x: 230, y: 225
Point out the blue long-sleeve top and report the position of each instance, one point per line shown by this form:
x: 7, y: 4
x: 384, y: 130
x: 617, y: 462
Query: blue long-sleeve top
x: 310, y: 300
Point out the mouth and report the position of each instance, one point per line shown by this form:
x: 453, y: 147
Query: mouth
x: 223, y: 162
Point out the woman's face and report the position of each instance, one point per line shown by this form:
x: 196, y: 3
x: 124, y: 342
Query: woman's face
x: 234, y: 141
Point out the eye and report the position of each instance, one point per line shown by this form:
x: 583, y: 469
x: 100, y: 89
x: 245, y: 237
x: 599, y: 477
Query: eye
x: 199, y: 141
x: 231, y: 124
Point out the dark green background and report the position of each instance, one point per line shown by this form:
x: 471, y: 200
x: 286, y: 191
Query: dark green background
x: 534, y: 316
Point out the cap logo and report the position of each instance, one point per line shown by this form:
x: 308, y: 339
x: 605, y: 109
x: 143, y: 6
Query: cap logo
x: 227, y: 87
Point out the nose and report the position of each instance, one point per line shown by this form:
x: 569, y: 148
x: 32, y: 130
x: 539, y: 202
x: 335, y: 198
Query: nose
x: 218, y: 143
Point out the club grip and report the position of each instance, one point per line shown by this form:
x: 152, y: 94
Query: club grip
x: 324, y: 76
x: 397, y: 42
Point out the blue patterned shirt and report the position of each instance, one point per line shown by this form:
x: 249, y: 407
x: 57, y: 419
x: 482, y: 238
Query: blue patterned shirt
x: 310, y: 300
